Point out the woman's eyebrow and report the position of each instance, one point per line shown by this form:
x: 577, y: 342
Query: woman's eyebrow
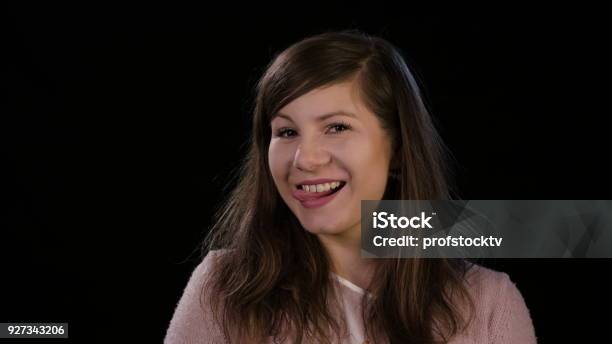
x: 321, y: 118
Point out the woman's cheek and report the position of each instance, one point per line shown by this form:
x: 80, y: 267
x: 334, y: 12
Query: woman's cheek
x: 280, y: 160
x: 273, y: 161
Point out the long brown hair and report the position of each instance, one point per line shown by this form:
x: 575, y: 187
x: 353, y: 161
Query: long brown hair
x: 275, y: 274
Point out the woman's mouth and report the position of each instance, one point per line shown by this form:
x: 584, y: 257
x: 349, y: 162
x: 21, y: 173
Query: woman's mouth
x: 314, y: 196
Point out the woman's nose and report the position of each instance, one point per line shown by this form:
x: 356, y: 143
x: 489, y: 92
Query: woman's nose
x: 310, y: 155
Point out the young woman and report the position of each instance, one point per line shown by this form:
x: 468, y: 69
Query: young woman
x: 338, y: 119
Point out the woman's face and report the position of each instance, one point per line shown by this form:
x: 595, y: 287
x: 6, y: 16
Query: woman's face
x: 325, y: 138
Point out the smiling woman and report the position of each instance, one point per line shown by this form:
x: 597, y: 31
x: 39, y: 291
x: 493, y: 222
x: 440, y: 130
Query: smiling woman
x: 338, y: 119
x: 327, y: 145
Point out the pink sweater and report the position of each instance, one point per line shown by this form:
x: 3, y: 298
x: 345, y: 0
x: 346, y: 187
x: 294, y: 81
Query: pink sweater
x: 501, y: 314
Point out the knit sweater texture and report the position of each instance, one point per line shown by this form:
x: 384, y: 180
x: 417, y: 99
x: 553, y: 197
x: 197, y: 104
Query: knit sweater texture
x: 501, y: 315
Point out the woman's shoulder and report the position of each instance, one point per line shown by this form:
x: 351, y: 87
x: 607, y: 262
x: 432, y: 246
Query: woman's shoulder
x: 210, y: 259
x: 202, y: 270
x: 486, y: 280
x: 491, y: 289
x: 500, y: 309
x: 192, y: 321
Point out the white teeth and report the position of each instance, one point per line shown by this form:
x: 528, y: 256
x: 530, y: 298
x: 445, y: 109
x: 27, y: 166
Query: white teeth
x: 320, y: 187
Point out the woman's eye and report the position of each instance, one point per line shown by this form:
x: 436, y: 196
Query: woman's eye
x: 335, y: 128
x: 339, y: 127
x: 285, y: 132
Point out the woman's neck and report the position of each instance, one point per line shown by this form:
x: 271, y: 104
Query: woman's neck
x: 345, y: 254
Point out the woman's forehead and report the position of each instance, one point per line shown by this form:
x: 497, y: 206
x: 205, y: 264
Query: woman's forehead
x: 322, y: 117
x: 325, y: 102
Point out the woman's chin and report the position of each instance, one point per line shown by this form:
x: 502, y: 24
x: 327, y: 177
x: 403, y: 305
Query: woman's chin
x: 325, y: 229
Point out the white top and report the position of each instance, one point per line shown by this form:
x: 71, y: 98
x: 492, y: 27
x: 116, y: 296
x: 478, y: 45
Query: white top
x: 351, y: 296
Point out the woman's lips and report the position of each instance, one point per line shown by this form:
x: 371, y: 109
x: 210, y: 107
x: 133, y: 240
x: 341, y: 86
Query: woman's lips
x: 302, y: 195
x: 315, y: 199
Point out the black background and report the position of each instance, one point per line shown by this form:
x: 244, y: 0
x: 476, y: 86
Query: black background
x: 121, y: 126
